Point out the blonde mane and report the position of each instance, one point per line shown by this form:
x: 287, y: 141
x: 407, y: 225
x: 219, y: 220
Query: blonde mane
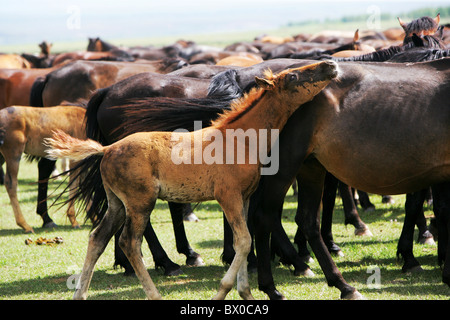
x: 242, y: 105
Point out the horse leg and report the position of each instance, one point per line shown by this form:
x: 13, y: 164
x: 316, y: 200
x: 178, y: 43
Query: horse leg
x: 45, y: 168
x: 441, y: 206
x: 177, y: 211
x: 236, y: 210
x: 71, y: 209
x: 365, y: 202
x: 351, y: 212
x: 137, y: 217
x: 228, y: 251
x: 413, y: 208
x: 328, y: 203
x: 310, y: 194
x: 98, y: 240
x: 12, y: 170
x: 160, y: 256
x: 2, y: 173
x: 425, y: 236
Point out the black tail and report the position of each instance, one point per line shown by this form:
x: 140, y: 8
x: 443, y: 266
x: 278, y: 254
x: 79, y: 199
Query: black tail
x: 92, y: 128
x: 36, y: 92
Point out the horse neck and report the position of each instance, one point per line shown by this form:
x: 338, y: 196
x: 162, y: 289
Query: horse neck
x: 270, y: 111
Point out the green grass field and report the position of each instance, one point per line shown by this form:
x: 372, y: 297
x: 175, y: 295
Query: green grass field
x: 32, y: 272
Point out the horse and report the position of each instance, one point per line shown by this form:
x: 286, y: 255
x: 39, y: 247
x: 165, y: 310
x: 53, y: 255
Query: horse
x: 16, y: 84
x: 239, y: 61
x: 267, y: 107
x: 104, y: 115
x: 422, y: 27
x: 22, y: 130
x: 77, y: 80
x: 13, y: 61
x: 90, y: 55
x: 382, y: 125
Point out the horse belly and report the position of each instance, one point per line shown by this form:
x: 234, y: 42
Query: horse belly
x: 185, y: 188
x: 392, y: 164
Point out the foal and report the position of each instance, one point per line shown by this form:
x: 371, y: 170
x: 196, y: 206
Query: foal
x: 22, y: 130
x: 141, y: 168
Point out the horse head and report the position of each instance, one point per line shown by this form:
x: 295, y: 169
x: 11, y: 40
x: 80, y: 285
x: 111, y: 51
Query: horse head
x: 420, y: 26
x: 297, y: 86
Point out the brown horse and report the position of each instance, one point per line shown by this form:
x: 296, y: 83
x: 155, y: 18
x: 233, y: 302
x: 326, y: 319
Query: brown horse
x: 134, y: 183
x: 13, y: 61
x: 239, y: 61
x: 16, y: 84
x: 77, y: 80
x: 22, y: 130
x: 91, y: 55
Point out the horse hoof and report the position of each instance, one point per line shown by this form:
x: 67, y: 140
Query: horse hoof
x: 28, y: 231
x: 427, y: 238
x: 427, y: 241
x: 304, y: 273
x: 415, y: 269
x: 363, y: 232
x: 355, y: 295
x: 50, y: 225
x: 76, y: 227
x: 191, y: 217
x: 195, y: 262
x: 174, y: 272
x: 338, y: 253
x: 369, y: 209
x: 276, y: 295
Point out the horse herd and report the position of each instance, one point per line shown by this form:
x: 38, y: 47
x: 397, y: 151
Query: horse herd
x: 368, y: 110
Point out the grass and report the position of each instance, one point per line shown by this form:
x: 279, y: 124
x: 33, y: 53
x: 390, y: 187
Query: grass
x: 32, y: 272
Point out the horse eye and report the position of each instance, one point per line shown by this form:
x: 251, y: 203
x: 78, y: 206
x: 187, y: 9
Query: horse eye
x: 293, y: 77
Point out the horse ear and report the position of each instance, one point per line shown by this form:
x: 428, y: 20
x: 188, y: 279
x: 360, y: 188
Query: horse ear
x: 264, y: 83
x: 438, y: 18
x: 402, y: 24
x: 356, y: 36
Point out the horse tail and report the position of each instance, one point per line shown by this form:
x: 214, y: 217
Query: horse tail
x: 62, y: 145
x: 92, y: 129
x: 87, y: 193
x: 36, y: 92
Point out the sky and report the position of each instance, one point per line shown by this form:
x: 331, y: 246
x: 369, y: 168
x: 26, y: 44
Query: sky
x: 31, y: 21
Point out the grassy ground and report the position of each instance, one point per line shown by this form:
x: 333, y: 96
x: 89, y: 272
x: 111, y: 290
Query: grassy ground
x: 32, y: 272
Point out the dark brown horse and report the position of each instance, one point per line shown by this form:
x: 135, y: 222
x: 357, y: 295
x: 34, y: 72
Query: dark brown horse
x: 383, y: 122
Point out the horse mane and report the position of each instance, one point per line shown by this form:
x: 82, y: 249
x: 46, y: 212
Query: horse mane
x: 420, y: 54
x: 419, y: 25
x: 377, y: 56
x: 239, y: 107
x: 224, y: 85
x: 168, y: 114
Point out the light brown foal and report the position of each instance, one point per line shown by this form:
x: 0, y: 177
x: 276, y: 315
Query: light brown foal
x: 23, y: 130
x: 145, y: 166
